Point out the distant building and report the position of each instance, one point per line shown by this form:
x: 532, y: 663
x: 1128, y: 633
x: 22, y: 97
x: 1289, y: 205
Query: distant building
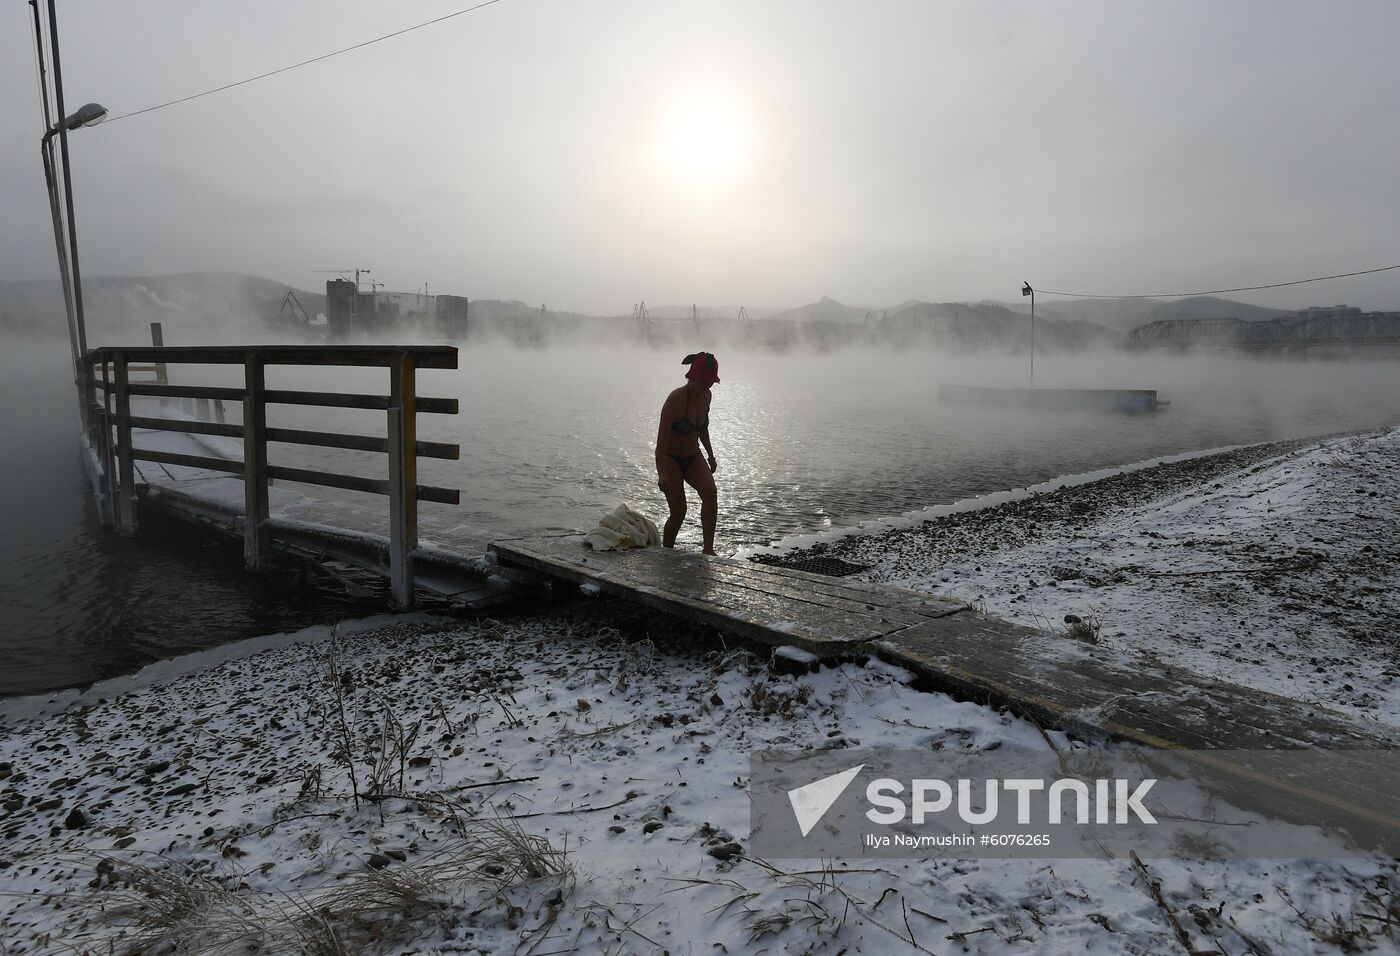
x: 342, y: 308
x: 351, y: 313
x: 1336, y: 325
x: 1329, y: 312
x: 451, y: 312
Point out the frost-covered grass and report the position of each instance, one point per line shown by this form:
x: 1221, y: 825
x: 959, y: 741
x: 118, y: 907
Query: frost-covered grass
x: 572, y: 781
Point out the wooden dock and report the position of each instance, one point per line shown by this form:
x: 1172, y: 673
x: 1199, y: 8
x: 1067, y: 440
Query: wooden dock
x: 448, y: 562
x: 182, y: 464
x: 1058, y: 681
x: 779, y: 606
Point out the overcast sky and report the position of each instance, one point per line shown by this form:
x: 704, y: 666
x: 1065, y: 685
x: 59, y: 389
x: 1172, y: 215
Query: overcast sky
x: 590, y: 154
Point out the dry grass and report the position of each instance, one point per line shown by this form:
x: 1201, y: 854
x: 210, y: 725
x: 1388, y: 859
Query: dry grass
x: 772, y: 698
x: 1085, y: 628
x: 164, y: 906
x: 366, y: 733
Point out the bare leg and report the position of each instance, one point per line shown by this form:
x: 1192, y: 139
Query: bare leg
x: 700, y: 478
x: 675, y: 500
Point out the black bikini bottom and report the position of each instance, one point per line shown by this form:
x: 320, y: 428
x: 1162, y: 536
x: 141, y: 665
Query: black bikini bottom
x: 683, y: 460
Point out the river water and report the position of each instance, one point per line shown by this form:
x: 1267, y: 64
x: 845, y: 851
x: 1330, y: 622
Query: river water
x: 551, y: 439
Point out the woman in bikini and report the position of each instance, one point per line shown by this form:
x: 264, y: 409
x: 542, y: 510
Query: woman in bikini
x: 685, y: 426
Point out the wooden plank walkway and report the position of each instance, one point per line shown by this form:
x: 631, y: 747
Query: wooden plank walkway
x: 1247, y: 741
x: 1057, y: 681
x: 824, y: 615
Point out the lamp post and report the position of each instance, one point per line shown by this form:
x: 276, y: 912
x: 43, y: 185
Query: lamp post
x: 1027, y: 290
x: 89, y: 115
x: 70, y: 272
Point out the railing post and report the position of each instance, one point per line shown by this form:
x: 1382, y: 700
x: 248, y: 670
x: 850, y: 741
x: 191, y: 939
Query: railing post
x: 403, y: 478
x: 126, y: 469
x: 158, y: 340
x: 104, y: 450
x: 255, y: 542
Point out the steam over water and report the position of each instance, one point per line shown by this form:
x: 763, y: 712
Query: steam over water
x: 550, y: 439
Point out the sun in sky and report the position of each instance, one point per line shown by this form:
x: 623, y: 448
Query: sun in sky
x: 706, y: 142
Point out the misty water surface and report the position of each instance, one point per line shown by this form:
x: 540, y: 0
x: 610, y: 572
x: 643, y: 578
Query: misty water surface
x: 550, y: 439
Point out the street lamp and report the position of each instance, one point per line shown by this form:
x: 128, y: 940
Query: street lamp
x: 1027, y: 290
x: 88, y: 115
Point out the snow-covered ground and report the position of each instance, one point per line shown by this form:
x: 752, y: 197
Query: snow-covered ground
x: 1280, y: 572
x: 573, y: 779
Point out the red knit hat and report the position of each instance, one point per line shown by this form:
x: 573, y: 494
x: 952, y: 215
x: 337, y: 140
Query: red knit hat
x: 704, y: 368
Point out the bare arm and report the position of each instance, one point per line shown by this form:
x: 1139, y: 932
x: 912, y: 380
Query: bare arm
x: 661, y: 430
x: 705, y: 440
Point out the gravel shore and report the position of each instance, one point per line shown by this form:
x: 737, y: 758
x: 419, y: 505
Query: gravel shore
x: 1017, y: 523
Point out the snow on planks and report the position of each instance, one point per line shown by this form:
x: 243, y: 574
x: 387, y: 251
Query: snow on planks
x: 764, y: 603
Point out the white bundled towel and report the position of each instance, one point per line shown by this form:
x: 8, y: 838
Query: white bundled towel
x: 622, y: 528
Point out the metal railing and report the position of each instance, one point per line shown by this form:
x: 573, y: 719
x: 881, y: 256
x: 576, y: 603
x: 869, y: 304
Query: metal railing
x: 112, y: 421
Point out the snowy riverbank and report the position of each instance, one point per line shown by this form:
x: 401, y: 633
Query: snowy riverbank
x: 574, y: 780
x: 1275, y: 566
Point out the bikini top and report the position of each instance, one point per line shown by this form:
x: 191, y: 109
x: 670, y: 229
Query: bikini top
x: 684, y: 426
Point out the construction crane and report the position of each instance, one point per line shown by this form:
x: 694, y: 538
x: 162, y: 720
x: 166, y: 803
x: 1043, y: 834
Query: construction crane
x: 346, y: 272
x: 290, y: 301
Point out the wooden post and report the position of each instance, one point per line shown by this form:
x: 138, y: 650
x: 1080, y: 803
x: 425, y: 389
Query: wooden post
x: 255, y: 542
x: 403, y: 478
x: 104, y: 450
x: 126, y: 469
x: 158, y: 340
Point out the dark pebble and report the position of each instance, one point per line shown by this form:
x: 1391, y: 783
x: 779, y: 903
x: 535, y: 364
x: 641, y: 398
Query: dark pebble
x: 726, y: 851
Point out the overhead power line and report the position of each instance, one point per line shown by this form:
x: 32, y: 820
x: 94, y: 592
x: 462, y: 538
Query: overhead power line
x: 314, y: 59
x: 1243, y: 288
